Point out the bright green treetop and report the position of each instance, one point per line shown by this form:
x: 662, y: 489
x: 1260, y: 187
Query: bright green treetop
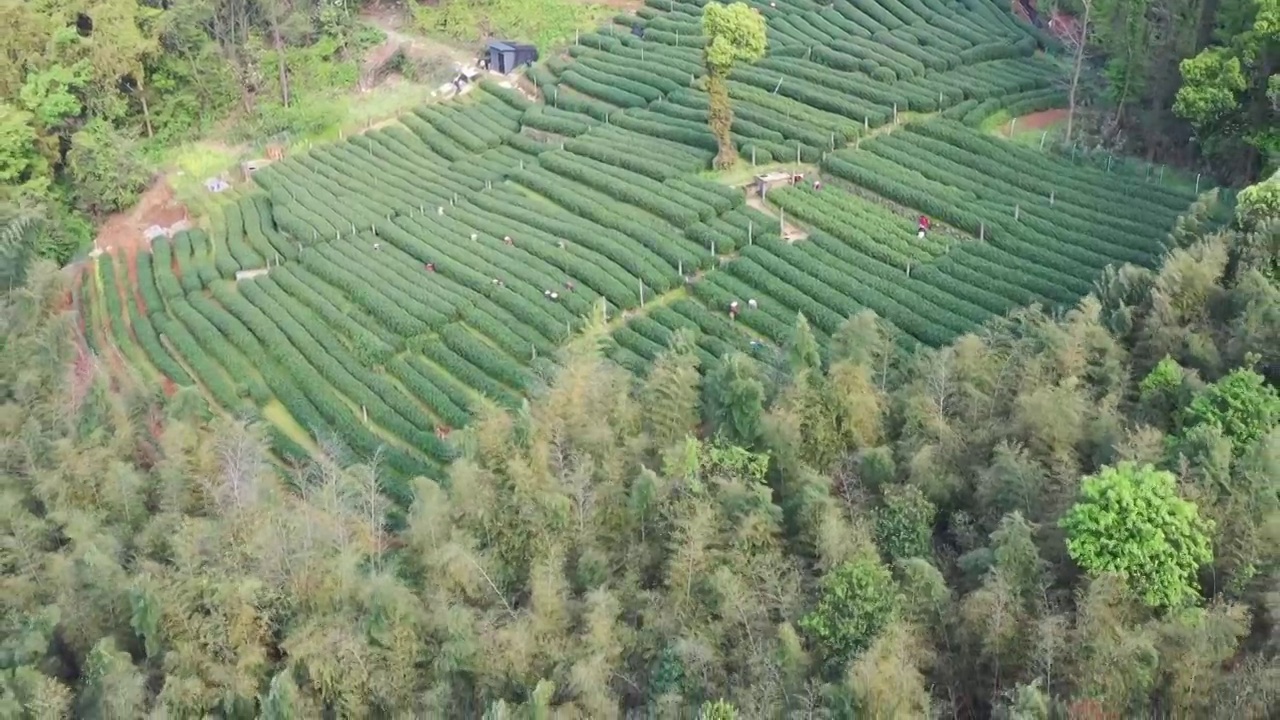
x: 735, y: 33
x: 858, y: 599
x: 1242, y: 405
x: 1130, y: 521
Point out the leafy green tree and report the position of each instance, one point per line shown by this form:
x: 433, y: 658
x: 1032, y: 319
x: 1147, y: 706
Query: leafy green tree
x: 1227, y: 88
x: 735, y: 34
x: 1242, y: 405
x: 802, y: 349
x: 106, y: 169
x: 904, y: 523
x: 1130, y: 521
x: 858, y: 599
x: 735, y: 398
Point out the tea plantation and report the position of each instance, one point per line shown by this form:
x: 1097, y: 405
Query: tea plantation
x: 409, y: 270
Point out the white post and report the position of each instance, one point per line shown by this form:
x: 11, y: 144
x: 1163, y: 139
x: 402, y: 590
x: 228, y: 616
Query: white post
x: 833, y: 142
x: 797, y: 153
x: 365, y: 410
x: 753, y: 155
x: 866, y: 125
x: 1012, y: 124
x: 908, y: 269
x: 1197, y: 183
x: 577, y: 37
x: 713, y: 248
x: 777, y: 87
x: 809, y: 54
x: 641, y: 293
x: 1161, y: 179
x: 982, y: 231
x: 680, y: 267
x: 751, y: 226
x: 895, y: 112
x: 782, y: 222
x: 1051, y: 193
x: 1017, y: 210
x: 1043, y: 136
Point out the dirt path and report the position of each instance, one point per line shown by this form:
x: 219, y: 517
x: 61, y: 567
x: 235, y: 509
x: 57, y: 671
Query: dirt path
x: 396, y: 21
x: 125, y: 232
x: 791, y: 233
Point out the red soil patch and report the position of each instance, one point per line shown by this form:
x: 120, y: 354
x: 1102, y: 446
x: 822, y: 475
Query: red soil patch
x: 125, y: 233
x: 1036, y: 121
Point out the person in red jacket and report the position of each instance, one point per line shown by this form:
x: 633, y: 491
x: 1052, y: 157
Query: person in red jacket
x: 924, y: 226
x: 431, y: 267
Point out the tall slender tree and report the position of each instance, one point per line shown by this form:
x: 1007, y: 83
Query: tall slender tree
x: 735, y: 34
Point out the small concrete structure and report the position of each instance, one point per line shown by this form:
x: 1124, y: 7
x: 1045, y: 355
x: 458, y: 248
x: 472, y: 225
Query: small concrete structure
x: 763, y: 183
x: 504, y: 56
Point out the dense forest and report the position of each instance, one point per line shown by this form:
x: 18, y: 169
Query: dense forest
x: 1069, y: 516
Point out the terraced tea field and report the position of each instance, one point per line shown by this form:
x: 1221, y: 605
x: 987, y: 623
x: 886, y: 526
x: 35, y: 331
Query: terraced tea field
x: 409, y: 271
